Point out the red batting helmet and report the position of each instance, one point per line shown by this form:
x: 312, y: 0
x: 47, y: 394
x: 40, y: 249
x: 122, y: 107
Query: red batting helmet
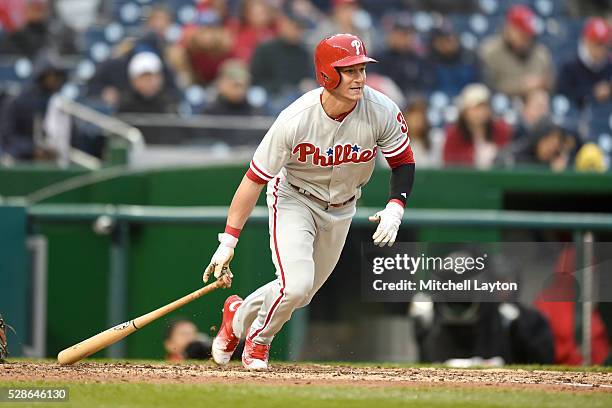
x: 340, y: 50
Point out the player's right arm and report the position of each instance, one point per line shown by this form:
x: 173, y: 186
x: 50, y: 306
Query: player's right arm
x: 243, y: 203
x: 271, y: 155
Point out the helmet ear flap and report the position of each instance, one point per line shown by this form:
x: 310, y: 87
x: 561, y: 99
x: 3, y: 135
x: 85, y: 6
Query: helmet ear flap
x: 331, y: 78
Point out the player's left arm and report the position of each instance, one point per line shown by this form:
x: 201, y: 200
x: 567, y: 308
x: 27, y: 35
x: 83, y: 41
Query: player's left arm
x: 395, y: 147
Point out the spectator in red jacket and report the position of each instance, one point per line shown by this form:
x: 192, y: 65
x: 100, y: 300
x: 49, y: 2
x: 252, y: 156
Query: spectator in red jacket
x: 257, y: 24
x: 556, y: 303
x: 476, y: 137
x: 203, y: 48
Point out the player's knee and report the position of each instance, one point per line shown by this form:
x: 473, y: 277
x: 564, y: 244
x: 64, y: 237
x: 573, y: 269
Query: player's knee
x: 298, y: 292
x: 306, y: 301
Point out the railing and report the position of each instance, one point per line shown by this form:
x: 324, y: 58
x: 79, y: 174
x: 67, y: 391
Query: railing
x: 107, y: 218
x: 112, y: 127
x: 107, y: 123
x: 261, y: 123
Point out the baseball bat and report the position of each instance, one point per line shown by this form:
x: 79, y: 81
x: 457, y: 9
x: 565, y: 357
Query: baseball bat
x: 110, y: 336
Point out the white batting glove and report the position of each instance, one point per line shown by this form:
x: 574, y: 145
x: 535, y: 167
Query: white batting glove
x: 219, y: 263
x: 388, y: 221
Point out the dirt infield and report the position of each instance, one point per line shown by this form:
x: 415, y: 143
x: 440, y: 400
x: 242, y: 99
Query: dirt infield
x: 304, y: 374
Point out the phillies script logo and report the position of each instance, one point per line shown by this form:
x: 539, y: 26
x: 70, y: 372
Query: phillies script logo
x: 333, y: 156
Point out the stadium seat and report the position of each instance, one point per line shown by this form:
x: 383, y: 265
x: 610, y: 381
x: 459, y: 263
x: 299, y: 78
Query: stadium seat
x: 7, y: 73
x: 114, y: 32
x: 500, y: 103
x: 90, y: 37
x: 85, y: 69
x: 598, y: 116
x: 186, y: 14
x: 565, y: 113
x: 128, y: 13
x: 196, y: 97
x: 423, y: 21
x: 99, y: 51
x: 489, y: 7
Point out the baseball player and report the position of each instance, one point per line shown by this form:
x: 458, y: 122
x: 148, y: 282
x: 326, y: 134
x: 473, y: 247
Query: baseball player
x: 314, y: 160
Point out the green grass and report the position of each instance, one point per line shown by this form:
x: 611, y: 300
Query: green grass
x: 136, y: 395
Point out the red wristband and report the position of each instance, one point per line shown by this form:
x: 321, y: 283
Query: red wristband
x: 234, y: 232
x: 395, y: 200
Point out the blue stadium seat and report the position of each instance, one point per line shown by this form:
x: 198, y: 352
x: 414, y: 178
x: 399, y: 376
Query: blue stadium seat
x: 128, y: 13
x: 561, y: 37
x: 90, y: 37
x: 196, y: 98
x: 489, y: 7
x: 565, y: 113
x: 7, y: 73
x: 599, y: 120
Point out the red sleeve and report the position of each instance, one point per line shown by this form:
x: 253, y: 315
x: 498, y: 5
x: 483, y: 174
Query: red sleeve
x: 405, y: 157
x: 254, y: 177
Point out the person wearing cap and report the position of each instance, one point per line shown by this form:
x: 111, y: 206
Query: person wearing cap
x: 476, y: 137
x: 403, y: 61
x: 146, y: 91
x: 281, y: 64
x: 513, y: 61
x: 111, y: 76
x: 454, y: 66
x: 588, y: 78
x: 232, y: 85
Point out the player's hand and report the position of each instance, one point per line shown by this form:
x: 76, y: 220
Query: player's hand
x: 388, y: 221
x: 219, y: 263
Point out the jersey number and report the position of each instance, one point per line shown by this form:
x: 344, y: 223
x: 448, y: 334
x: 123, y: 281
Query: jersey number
x: 402, y: 121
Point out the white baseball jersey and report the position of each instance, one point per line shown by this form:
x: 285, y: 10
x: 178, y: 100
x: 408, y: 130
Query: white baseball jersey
x: 328, y: 158
x: 332, y: 160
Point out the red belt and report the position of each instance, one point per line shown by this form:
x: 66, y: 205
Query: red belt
x: 318, y: 200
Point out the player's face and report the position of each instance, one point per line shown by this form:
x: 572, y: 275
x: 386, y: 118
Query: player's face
x: 352, y: 80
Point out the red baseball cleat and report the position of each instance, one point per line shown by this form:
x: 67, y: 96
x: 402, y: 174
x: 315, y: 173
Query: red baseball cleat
x: 255, y: 356
x: 226, y: 341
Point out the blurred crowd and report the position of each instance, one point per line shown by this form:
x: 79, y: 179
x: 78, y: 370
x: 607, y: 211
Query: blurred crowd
x: 488, y: 83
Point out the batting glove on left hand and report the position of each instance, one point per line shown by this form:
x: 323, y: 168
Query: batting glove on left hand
x: 388, y: 221
x: 219, y: 263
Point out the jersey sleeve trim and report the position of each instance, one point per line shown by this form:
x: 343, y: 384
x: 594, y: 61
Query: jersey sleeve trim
x: 403, y: 157
x: 398, y: 149
x: 262, y: 174
x: 254, y: 177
